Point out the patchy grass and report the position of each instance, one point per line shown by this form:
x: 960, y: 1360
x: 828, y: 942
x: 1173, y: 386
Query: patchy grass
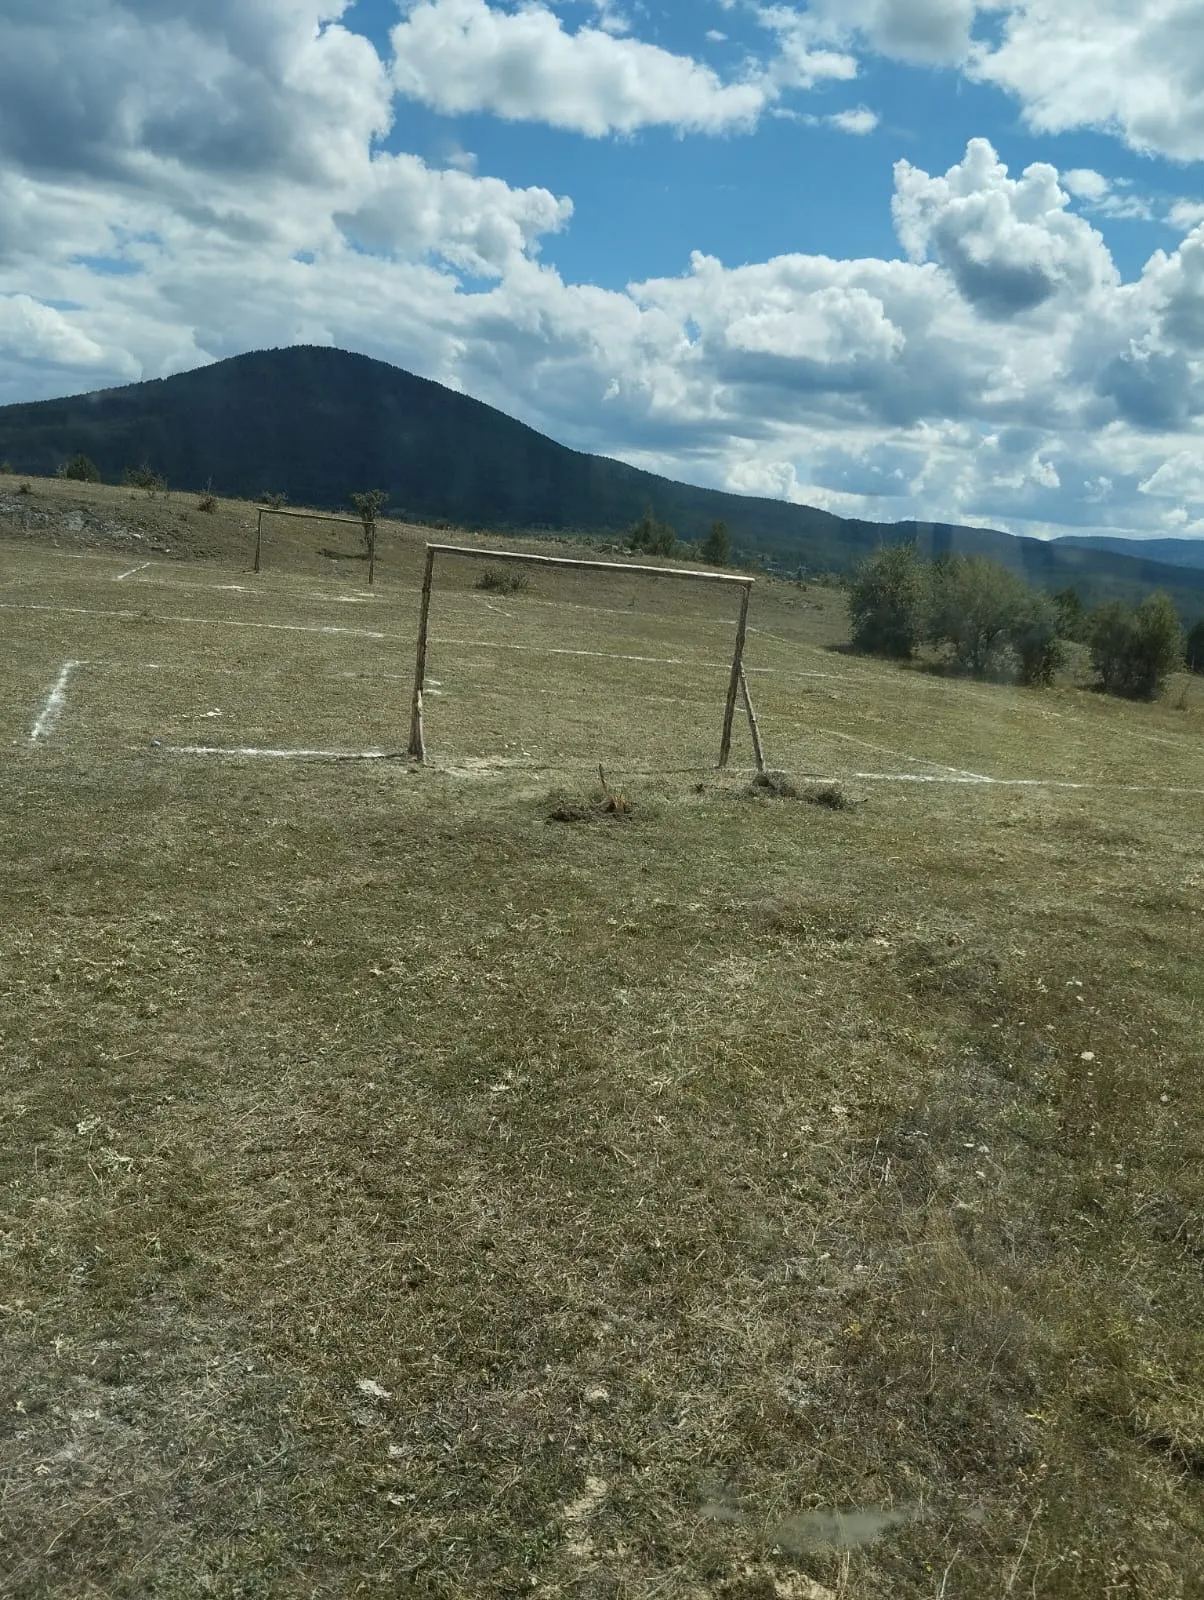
x: 404, y: 1195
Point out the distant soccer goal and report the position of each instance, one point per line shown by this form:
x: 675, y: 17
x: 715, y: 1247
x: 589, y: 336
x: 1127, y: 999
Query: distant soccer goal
x: 362, y: 548
x: 737, y: 686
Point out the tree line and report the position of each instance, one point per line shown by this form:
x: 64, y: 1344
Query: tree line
x: 984, y: 620
x: 650, y: 536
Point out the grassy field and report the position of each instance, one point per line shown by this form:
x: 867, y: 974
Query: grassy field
x: 427, y: 1182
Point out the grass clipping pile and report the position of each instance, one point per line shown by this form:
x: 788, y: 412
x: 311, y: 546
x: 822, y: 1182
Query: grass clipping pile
x: 603, y: 802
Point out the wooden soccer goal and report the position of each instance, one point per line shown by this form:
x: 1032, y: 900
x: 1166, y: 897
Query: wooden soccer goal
x: 308, y: 516
x: 737, y: 682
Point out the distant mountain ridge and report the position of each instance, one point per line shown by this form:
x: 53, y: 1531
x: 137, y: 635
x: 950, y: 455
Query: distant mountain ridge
x: 316, y: 424
x: 1174, y: 552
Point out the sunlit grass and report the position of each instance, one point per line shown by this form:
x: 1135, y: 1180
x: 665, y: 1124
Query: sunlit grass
x: 427, y: 1181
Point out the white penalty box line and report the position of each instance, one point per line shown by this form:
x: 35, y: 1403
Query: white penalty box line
x: 54, y: 703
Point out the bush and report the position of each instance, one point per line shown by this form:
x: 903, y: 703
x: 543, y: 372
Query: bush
x: 81, y: 468
x: 976, y: 607
x: 273, y: 501
x: 6, y: 469
x: 1072, y: 618
x: 502, y: 581
x: 651, y: 536
x: 887, y: 602
x: 144, y: 477
x: 717, y: 546
x: 1035, y: 636
x: 1134, y: 649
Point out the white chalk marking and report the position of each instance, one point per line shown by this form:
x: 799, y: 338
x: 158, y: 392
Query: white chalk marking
x: 205, y: 622
x: 280, y: 755
x: 919, y: 761
x: 122, y: 575
x: 55, y: 702
x: 978, y: 782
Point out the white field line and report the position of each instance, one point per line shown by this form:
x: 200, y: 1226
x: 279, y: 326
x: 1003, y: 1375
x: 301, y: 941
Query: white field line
x: 978, y: 782
x: 561, y: 650
x: 919, y: 761
x: 280, y: 755
x: 206, y: 622
x: 121, y: 576
x: 55, y: 702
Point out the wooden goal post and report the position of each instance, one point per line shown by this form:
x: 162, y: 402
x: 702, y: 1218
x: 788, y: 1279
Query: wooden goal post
x: 737, y: 682
x: 291, y: 511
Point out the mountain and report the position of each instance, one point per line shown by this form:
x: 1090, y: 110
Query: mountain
x: 1173, y: 552
x: 316, y: 424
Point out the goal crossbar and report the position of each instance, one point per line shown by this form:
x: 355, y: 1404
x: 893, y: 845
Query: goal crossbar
x: 737, y: 683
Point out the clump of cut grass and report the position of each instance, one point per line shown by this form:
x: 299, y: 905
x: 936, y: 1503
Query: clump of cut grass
x: 830, y: 795
x: 778, y: 784
x: 497, y: 580
x: 607, y: 802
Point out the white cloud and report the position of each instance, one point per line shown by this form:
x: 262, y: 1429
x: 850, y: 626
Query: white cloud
x: 928, y: 31
x: 1085, y: 184
x: 31, y: 331
x: 1185, y: 214
x: 464, y: 55
x: 1010, y: 243
x: 1129, y: 68
x: 1179, y: 477
x: 859, y: 120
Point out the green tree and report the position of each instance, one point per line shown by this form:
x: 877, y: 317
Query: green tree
x: 1194, y: 648
x: 1035, y: 635
x: 717, y: 546
x: 1071, y: 615
x: 651, y: 536
x: 82, y: 468
x: 887, y: 600
x: 1134, y: 649
x: 144, y: 477
x: 976, y: 607
x: 369, y: 504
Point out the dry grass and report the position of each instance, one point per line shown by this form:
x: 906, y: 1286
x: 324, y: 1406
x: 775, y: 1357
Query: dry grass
x: 405, y: 1195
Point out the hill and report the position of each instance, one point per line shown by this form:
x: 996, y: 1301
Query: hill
x: 316, y: 424
x: 1173, y: 552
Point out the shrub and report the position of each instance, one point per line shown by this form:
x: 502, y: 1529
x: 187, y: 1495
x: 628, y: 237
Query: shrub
x: 6, y: 469
x: 887, y: 600
x: 976, y: 606
x: 25, y: 488
x: 144, y: 477
x: 717, y: 546
x: 273, y: 501
x: 1035, y: 635
x: 501, y: 581
x: 1072, y: 618
x: 651, y: 536
x: 81, y: 468
x: 1134, y: 649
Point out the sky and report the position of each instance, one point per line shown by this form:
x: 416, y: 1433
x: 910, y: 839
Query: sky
x: 933, y: 259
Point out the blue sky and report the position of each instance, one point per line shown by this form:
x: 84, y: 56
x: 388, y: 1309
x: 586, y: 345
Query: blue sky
x: 898, y: 258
